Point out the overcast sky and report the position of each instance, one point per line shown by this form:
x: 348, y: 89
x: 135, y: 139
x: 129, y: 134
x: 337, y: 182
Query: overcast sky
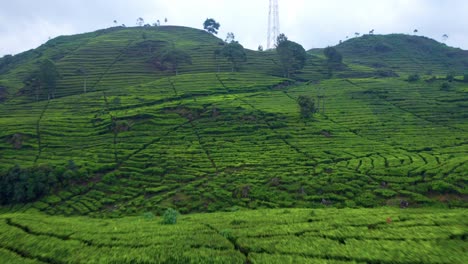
x: 26, y: 24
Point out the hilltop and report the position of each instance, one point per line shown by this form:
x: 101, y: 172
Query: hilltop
x: 403, y: 54
x: 122, y: 136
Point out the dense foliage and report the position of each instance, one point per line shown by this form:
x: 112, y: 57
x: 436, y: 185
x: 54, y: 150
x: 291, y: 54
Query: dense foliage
x: 20, y: 185
x: 263, y: 236
x: 234, y: 53
x: 211, y: 26
x: 292, y: 55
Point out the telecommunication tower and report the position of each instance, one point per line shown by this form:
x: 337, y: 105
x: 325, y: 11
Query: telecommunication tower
x: 273, y: 24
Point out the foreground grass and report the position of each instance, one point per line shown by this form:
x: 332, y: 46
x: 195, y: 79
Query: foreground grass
x: 385, y: 235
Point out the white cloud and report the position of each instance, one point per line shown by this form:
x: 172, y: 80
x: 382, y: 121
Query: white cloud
x: 26, y: 24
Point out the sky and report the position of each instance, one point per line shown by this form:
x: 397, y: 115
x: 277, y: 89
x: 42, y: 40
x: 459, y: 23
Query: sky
x: 26, y: 24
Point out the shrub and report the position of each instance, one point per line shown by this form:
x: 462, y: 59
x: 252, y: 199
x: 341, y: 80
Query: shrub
x: 413, y: 78
x: 450, y: 77
x: 445, y: 86
x: 307, y: 106
x: 148, y: 216
x: 170, y: 217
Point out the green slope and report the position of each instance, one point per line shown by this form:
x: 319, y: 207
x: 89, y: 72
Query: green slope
x: 117, y: 57
x: 141, y: 139
x: 263, y: 236
x: 403, y: 54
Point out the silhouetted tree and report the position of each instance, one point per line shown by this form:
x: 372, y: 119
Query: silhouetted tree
x: 445, y: 37
x: 140, y: 21
x: 230, y: 37
x: 260, y: 48
x: 211, y: 26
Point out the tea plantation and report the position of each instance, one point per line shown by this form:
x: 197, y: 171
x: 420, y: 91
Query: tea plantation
x: 263, y: 236
x: 85, y: 168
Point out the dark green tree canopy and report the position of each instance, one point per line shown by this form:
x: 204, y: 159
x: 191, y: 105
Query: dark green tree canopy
x: 211, y: 26
x: 306, y: 105
x: 175, y: 57
x: 333, y: 55
x: 234, y: 53
x: 291, y: 55
x: 48, y: 76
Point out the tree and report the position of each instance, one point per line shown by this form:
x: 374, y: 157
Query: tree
x: 48, y: 75
x: 306, y: 105
x: 260, y: 48
x: 216, y: 54
x: 32, y: 84
x: 371, y: 32
x: 83, y: 73
x: 415, y: 31
x: 234, y: 53
x: 115, y: 22
x: 230, y: 37
x: 357, y: 34
x: 175, y: 57
x: 334, y: 59
x: 140, y: 21
x: 444, y: 37
x: 291, y: 55
x: 211, y: 26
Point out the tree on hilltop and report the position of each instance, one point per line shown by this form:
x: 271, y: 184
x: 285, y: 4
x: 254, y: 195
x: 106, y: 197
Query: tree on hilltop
x: 140, y: 21
x: 291, y: 55
x: 211, y: 26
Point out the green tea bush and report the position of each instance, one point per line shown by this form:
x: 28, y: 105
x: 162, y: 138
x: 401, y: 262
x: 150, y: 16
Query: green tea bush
x: 148, y: 216
x: 465, y: 78
x: 413, y: 78
x: 170, y: 217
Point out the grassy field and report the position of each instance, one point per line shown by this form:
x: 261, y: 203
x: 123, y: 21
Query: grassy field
x: 382, y: 235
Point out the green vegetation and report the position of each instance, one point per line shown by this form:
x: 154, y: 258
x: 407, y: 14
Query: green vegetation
x: 211, y: 26
x: 234, y: 53
x: 144, y: 140
x: 96, y: 128
x: 306, y: 105
x: 403, y: 54
x: 263, y: 236
x: 292, y: 56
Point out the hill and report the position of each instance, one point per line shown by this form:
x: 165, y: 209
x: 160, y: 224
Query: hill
x: 403, y: 54
x: 141, y: 139
x: 118, y: 56
x: 264, y: 236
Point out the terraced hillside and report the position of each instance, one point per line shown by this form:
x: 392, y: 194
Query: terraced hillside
x: 118, y: 57
x: 263, y: 236
x: 140, y: 139
x: 403, y: 54
x: 207, y: 142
